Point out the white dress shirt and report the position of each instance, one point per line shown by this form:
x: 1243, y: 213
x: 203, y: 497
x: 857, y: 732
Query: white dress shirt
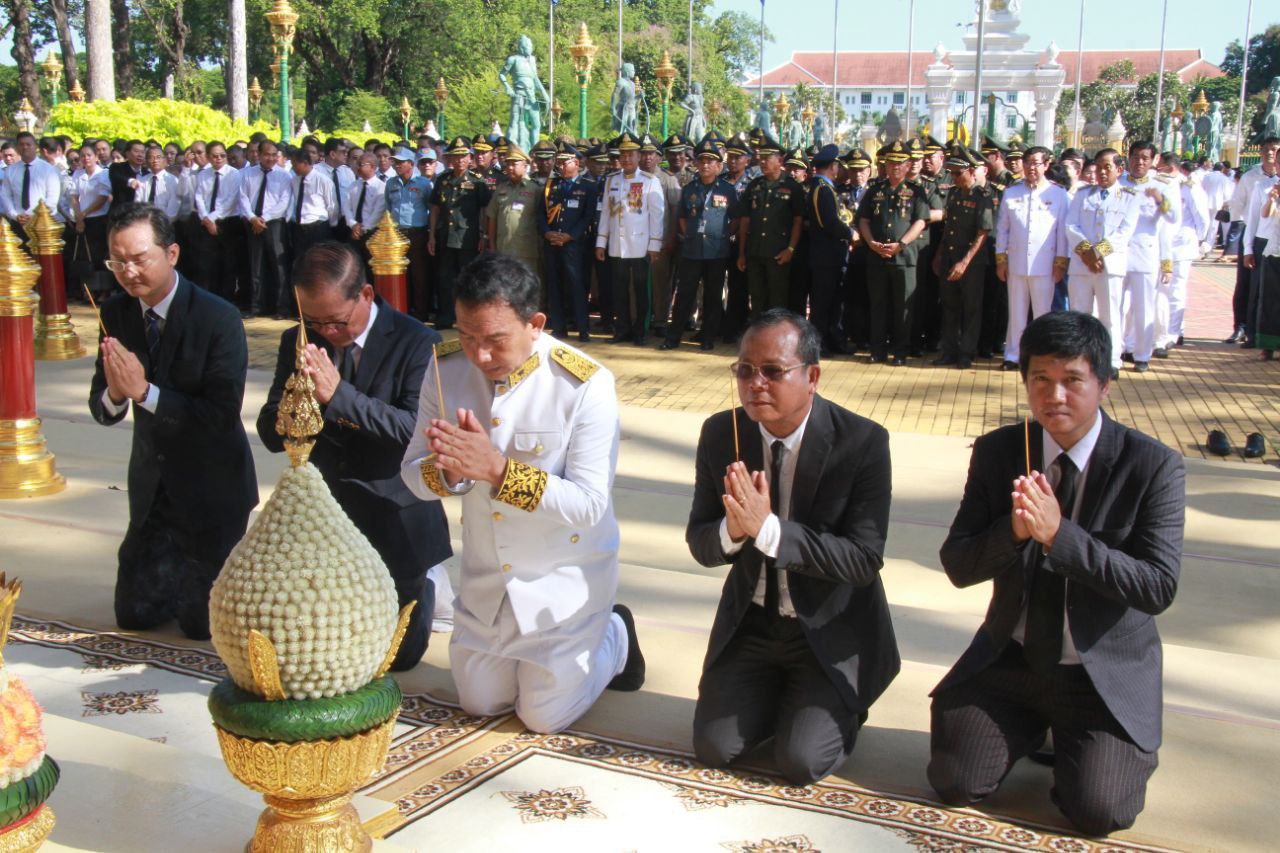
x: 90, y: 189
x: 357, y: 346
x: 228, y: 201
x: 45, y: 184
x: 319, y: 204
x: 769, y: 538
x: 375, y: 203
x: 153, y: 393
x: 1031, y: 227
x: 1253, y: 210
x: 1079, y: 454
x: 166, y: 199
x: 1094, y: 219
x: 346, y: 178
x: 275, y: 203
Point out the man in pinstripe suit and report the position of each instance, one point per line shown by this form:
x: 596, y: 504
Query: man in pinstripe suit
x: 1082, y: 553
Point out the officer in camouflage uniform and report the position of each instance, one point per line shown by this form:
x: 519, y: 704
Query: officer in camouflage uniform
x: 960, y: 259
x: 456, y: 202
x: 774, y: 209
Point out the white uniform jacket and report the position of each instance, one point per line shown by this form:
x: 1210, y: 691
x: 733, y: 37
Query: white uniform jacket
x: 633, y: 215
x: 1031, y: 228
x: 547, y: 538
x: 1103, y: 224
x: 1151, y: 247
x: 1194, y: 222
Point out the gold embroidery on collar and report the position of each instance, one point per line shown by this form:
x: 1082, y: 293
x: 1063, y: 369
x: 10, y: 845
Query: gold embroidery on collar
x: 577, y: 364
x: 522, y: 486
x: 448, y: 348
x: 523, y: 371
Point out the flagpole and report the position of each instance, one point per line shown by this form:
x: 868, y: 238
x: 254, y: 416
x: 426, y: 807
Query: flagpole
x: 690, y: 44
x: 1155, y: 128
x: 1244, y: 77
x: 911, y: 26
x: 977, y: 74
x: 1079, y: 71
x: 620, y: 2
x: 835, y: 65
x: 551, y: 52
x: 761, y: 87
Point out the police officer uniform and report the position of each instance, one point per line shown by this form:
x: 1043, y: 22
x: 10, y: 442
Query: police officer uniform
x: 533, y: 627
x: 631, y: 226
x: 969, y: 216
x: 512, y: 214
x: 737, y: 307
x: 856, y: 305
x: 567, y: 206
x: 830, y: 232
x: 771, y: 212
x: 456, y: 203
x: 707, y: 217
x: 598, y: 153
x: 798, y: 278
x: 410, y: 205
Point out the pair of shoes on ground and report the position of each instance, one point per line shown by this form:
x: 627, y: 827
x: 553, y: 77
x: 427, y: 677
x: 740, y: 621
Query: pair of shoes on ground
x: 1219, y: 445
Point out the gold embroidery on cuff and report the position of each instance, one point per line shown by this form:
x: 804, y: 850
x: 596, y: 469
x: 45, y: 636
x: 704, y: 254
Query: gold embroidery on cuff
x: 1166, y: 266
x: 1082, y: 247
x: 431, y: 477
x: 1103, y: 248
x: 1002, y: 257
x: 522, y: 486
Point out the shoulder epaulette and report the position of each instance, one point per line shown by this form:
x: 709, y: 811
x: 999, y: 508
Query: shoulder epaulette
x: 1129, y: 190
x: 581, y: 367
x: 448, y: 348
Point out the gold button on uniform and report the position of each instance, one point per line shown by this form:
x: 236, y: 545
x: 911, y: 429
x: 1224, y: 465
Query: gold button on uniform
x: 496, y: 422
x: 502, y: 389
x: 574, y: 539
x: 506, y: 567
x: 497, y: 516
x: 538, y: 448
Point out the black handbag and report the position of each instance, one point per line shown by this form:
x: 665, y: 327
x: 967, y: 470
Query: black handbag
x: 1223, y: 215
x: 81, y: 260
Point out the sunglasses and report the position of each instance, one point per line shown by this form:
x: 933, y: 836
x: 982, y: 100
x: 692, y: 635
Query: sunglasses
x: 746, y: 371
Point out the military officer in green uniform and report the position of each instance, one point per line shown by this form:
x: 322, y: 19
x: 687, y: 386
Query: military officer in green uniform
x: 511, y: 216
x: 995, y: 302
x: 544, y: 161
x: 855, y: 180
x: 459, y: 196
x: 960, y: 258
x: 1013, y: 160
x: 774, y: 206
x: 892, y: 216
x: 928, y: 306
x: 677, y: 151
x: 799, y: 279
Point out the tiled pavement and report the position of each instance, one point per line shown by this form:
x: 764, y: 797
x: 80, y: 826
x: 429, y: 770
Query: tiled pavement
x: 1202, y: 386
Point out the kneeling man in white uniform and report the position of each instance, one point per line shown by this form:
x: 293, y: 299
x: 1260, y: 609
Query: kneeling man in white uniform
x: 528, y: 438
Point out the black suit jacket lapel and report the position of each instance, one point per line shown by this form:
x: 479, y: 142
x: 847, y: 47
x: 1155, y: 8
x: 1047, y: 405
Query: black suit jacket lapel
x: 376, y: 345
x: 815, y: 448
x: 174, y: 322
x: 1101, y: 463
x: 133, y: 333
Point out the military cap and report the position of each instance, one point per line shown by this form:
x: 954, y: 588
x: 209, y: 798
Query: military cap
x: 856, y: 158
x: 625, y: 141
x: 405, y: 155
x: 648, y: 143
x: 826, y: 155
x: 566, y: 150
x: 543, y: 150
x: 676, y: 142
x: 1014, y: 152
x: 459, y: 145
x: 514, y: 152
x: 894, y: 152
x: 714, y: 136
x: 756, y: 136
x: 766, y: 144
x: 915, y: 149
x: 598, y: 153
x: 501, y: 144
x: 931, y: 146
x: 811, y: 151
x: 738, y: 144
x: 707, y: 148
x: 482, y: 144
x: 583, y: 144
x: 960, y: 157
x: 794, y: 159
x: 990, y: 147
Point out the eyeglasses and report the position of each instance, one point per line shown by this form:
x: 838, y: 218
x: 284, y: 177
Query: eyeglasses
x: 136, y: 266
x: 336, y: 325
x: 746, y: 371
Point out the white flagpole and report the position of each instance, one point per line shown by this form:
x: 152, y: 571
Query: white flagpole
x: 690, y: 44
x: 1155, y: 128
x: 976, y: 142
x: 761, y: 88
x: 835, y: 66
x: 551, y: 54
x: 911, y: 25
x: 1079, y: 72
x: 1244, y: 76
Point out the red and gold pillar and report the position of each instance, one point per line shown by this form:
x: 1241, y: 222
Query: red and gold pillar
x: 389, y: 257
x: 56, y: 337
x: 26, y: 465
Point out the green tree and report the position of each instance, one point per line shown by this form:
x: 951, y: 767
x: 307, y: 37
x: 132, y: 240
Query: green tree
x: 1264, y: 60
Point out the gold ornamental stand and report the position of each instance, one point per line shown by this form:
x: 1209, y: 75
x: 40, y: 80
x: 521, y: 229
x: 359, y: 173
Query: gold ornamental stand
x: 26, y: 465
x: 389, y: 258
x: 56, y: 338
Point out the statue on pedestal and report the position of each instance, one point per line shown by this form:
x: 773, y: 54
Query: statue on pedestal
x: 764, y: 118
x: 891, y: 127
x: 519, y: 78
x: 1168, y: 135
x: 623, y: 103
x: 793, y: 137
x: 819, y: 130
x: 1213, y: 144
x: 1271, y: 118
x: 695, y: 123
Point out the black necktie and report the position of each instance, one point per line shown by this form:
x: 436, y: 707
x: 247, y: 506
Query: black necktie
x: 348, y: 370
x: 337, y: 185
x: 153, y: 334
x: 262, y: 196
x: 364, y: 188
x: 771, y: 594
x: 26, y: 187
x: 151, y: 193
x: 302, y: 189
x: 1042, y: 640
x: 213, y: 199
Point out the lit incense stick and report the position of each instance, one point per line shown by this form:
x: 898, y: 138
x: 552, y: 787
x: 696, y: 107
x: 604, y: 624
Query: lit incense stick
x: 733, y: 412
x: 89, y: 293
x: 1026, y: 441
x: 435, y: 360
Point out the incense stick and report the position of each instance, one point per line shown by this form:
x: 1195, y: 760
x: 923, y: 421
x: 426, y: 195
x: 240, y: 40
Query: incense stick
x: 89, y: 293
x: 1026, y: 441
x: 435, y: 360
x: 733, y: 413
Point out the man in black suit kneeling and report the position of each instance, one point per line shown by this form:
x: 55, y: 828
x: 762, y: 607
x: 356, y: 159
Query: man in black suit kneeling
x: 802, y: 642
x: 1083, y: 552
x: 367, y: 360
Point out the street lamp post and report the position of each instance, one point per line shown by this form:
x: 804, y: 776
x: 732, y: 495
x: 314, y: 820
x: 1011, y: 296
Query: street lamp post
x: 666, y: 74
x: 583, y: 51
x: 405, y: 112
x: 557, y: 110
x: 77, y: 93
x: 283, y: 21
x: 25, y: 116
x: 255, y: 97
x: 52, y: 69
x: 442, y: 94
x: 783, y: 106
x: 806, y: 117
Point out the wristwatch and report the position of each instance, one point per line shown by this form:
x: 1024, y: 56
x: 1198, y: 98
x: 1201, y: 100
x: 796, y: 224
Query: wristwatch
x: 145, y: 392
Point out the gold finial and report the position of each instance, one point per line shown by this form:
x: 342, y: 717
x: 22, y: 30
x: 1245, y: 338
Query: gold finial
x: 441, y: 92
x: 405, y: 110
x: 52, y: 68
x: 18, y: 276
x: 388, y: 248
x: 1200, y: 106
x: 283, y: 22
x: 666, y: 73
x: 9, y: 590
x: 583, y: 51
x: 298, y: 415
x: 783, y: 106
x: 76, y: 92
x: 45, y: 232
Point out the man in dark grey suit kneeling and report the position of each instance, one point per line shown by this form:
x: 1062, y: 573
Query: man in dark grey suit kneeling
x: 802, y: 642
x: 1083, y: 552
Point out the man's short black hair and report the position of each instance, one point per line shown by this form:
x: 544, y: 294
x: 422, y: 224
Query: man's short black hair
x: 1046, y: 156
x: 138, y: 211
x: 809, y: 345
x: 299, y: 155
x: 330, y: 264
x: 334, y: 143
x: 25, y: 134
x: 1142, y: 145
x: 495, y: 277
x: 1072, y: 154
x: 1066, y: 335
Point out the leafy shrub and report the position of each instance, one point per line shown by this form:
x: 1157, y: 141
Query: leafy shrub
x: 160, y: 119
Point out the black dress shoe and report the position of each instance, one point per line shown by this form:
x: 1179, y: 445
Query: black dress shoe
x: 943, y: 361
x: 584, y: 337
x: 1254, y: 446
x: 1235, y: 337
x: 964, y: 362
x: 1217, y: 443
x: 620, y: 339
x: 1141, y: 367
x: 875, y: 359
x: 1009, y: 365
x: 1248, y: 343
x: 707, y: 346
x: 1126, y: 356
x: 984, y: 353
x: 1115, y: 374
x: 897, y: 361
x: 632, y: 676
x: 1180, y: 341
x: 665, y: 345
x: 1159, y: 352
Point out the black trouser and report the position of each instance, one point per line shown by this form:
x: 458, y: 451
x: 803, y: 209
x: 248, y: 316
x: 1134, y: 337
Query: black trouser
x: 1255, y: 286
x: 451, y: 262
x: 890, y: 290
x: 269, y: 270
x: 219, y: 258
x: 630, y: 281
x: 857, y: 308
x: 604, y: 289
x: 962, y: 310
x: 166, y: 569
x: 420, y: 297
x: 736, y: 307
x: 566, y: 293
x: 995, y: 310
x: 303, y: 237
x: 799, y: 285
x: 1240, y: 296
x: 709, y: 273
x: 768, y: 684
x: 927, y: 315
x: 826, y: 313
x: 984, y: 725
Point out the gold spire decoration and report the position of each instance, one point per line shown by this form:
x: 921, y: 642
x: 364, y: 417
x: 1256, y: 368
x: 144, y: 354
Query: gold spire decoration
x: 298, y: 416
x: 388, y: 248
x: 9, y: 590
